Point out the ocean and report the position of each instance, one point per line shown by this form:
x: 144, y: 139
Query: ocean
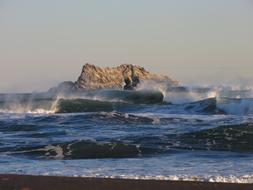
x: 182, y: 133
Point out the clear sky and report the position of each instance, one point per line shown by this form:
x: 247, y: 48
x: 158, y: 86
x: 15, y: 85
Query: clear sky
x: 44, y: 42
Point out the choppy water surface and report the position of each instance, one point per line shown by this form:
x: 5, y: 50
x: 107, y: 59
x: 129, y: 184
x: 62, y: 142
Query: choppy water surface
x: 192, y: 134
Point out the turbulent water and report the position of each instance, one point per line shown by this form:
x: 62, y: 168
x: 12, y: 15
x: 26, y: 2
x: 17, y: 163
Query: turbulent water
x: 203, y: 134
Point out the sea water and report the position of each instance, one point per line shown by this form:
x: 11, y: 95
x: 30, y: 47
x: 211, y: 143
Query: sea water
x: 196, y: 134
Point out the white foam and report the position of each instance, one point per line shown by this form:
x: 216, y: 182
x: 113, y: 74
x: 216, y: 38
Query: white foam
x: 213, y: 179
x: 41, y: 111
x: 59, y: 154
x: 24, y: 111
x: 57, y: 149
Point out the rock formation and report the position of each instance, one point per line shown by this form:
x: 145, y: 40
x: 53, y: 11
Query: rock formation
x: 122, y: 77
x: 93, y: 77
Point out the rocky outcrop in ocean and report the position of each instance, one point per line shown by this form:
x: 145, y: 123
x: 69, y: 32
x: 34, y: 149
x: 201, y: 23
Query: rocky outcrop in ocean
x: 93, y: 77
x: 126, y: 75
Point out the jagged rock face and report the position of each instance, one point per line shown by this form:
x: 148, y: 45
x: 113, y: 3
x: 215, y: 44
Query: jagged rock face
x: 93, y: 77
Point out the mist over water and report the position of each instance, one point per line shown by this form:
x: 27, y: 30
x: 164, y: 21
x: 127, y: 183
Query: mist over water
x: 229, y: 99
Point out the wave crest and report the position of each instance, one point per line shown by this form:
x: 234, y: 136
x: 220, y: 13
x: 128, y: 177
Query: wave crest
x: 84, y: 149
x: 224, y: 138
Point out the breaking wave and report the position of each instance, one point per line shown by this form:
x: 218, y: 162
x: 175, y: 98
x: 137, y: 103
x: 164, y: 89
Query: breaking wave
x: 232, y: 138
x: 84, y: 149
x: 198, y: 100
x: 236, y: 106
x: 92, y: 101
x: 232, y: 106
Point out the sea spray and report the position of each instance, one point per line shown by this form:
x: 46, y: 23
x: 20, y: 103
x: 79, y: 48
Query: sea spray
x: 236, y: 106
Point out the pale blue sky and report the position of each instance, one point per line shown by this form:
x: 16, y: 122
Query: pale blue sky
x: 199, y: 41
